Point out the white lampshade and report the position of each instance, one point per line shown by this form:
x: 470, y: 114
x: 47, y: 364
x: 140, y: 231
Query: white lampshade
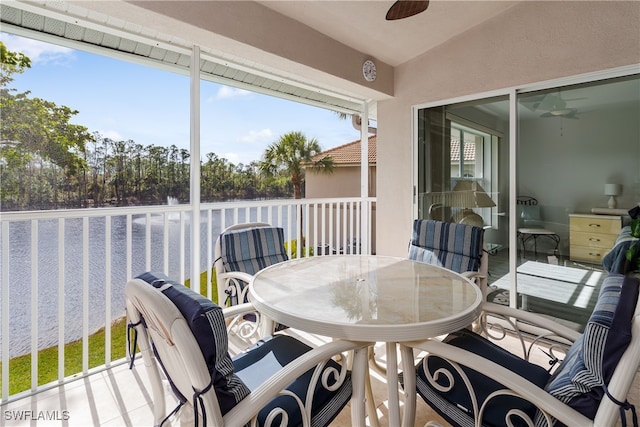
x: 612, y: 189
x: 470, y: 194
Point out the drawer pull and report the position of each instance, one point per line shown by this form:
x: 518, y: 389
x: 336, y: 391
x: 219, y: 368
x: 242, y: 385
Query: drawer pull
x: 593, y: 239
x: 593, y: 254
x: 594, y: 225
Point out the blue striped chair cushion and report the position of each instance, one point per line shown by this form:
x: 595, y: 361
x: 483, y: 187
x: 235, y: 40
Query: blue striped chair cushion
x: 454, y: 403
x: 255, y: 365
x: 457, y: 247
x: 590, y: 361
x: 251, y: 250
x: 206, y: 321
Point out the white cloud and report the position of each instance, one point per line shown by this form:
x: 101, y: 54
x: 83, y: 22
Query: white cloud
x: 226, y: 92
x: 232, y: 157
x: 257, y: 136
x: 244, y: 157
x: 111, y: 134
x: 37, y: 51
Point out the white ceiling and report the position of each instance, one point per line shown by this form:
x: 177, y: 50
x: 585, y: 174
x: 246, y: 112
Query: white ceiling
x: 361, y: 24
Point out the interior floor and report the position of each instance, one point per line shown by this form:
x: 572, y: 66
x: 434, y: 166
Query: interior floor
x: 566, y: 313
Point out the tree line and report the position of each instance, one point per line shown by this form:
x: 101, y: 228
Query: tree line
x: 48, y: 163
x: 124, y: 173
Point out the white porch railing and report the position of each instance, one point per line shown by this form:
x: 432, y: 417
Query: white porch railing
x: 63, y: 272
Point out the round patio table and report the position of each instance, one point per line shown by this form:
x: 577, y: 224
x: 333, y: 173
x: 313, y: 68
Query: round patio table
x: 368, y: 298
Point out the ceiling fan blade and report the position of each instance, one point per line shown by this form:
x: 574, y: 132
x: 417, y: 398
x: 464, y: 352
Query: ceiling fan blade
x: 406, y: 8
x: 566, y: 113
x: 551, y: 101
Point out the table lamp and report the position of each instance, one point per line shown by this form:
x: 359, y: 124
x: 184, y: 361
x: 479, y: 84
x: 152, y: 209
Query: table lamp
x: 612, y: 190
x: 468, y: 195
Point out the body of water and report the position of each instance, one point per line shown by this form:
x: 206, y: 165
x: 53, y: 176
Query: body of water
x: 48, y: 291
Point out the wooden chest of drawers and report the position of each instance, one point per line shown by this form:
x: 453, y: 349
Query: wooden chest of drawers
x: 591, y: 236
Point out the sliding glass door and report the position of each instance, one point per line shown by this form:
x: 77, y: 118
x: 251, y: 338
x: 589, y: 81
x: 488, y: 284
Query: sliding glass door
x: 460, y: 151
x: 577, y: 151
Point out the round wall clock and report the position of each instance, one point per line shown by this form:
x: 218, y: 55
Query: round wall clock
x: 369, y: 70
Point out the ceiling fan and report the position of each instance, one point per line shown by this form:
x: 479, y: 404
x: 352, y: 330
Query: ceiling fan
x: 555, y: 106
x: 551, y: 105
x: 567, y: 113
x: 405, y: 8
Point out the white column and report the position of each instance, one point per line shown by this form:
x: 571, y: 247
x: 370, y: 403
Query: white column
x: 513, y: 188
x: 195, y: 168
x: 364, y: 175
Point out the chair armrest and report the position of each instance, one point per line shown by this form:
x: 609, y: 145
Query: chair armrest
x: 237, y: 310
x: 473, y: 275
x: 479, y: 278
x: 233, y: 284
x: 246, y: 328
x: 251, y: 405
x: 532, y: 318
x: 238, y: 275
x: 498, y: 322
x: 512, y: 382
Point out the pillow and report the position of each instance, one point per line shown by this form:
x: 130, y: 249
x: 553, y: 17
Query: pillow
x: 591, y: 359
x: 206, y: 321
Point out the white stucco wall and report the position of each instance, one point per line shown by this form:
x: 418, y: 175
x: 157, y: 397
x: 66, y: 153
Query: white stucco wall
x: 531, y: 42
x: 600, y: 147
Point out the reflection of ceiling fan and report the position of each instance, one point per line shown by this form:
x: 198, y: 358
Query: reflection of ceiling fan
x: 566, y: 113
x: 406, y: 8
x: 555, y: 106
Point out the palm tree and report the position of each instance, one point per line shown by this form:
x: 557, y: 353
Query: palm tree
x: 290, y: 154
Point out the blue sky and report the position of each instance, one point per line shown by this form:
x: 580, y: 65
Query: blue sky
x: 123, y: 100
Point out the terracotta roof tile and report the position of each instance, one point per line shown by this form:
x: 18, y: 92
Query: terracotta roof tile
x: 469, y: 151
x: 348, y: 154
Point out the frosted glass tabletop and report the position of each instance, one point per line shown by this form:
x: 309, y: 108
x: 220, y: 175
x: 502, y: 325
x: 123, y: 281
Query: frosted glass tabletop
x: 366, y: 297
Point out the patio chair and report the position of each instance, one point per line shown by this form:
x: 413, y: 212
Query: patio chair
x: 455, y: 246
x: 241, y: 251
x: 530, y: 225
x: 470, y: 380
x: 184, y: 336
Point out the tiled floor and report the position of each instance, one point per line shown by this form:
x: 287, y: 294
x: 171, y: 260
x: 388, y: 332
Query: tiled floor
x: 122, y: 397
x: 114, y: 397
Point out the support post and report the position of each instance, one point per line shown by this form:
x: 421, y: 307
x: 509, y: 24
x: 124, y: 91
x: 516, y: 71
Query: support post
x: 194, y: 191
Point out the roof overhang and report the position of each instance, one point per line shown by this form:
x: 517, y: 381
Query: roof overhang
x: 75, y: 27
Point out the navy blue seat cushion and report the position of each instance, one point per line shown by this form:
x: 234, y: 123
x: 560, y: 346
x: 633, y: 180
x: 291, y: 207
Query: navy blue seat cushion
x: 252, y: 249
x: 206, y: 321
x: 457, y: 247
x: 249, y: 250
x: 591, y: 360
x: 455, y: 406
x: 268, y: 356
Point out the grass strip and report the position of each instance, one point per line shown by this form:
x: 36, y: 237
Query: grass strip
x: 20, y: 367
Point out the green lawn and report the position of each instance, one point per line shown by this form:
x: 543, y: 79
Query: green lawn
x: 20, y: 367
